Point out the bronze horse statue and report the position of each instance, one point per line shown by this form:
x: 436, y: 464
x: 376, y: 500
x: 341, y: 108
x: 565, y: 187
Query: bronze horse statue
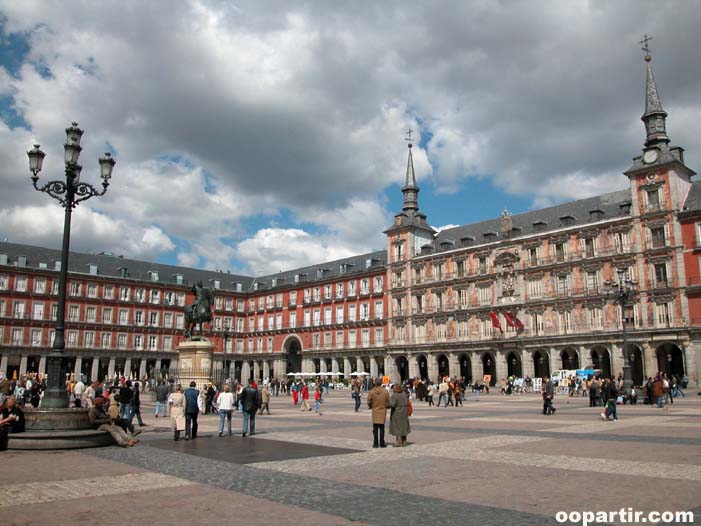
x: 200, y: 310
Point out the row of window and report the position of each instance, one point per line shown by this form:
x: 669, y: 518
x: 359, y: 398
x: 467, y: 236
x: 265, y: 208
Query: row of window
x: 90, y: 340
x: 535, y: 324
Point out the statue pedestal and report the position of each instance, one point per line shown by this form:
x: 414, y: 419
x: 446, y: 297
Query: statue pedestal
x: 195, y: 362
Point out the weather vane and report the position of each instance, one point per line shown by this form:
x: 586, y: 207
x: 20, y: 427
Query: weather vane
x: 645, y: 47
x: 408, y: 136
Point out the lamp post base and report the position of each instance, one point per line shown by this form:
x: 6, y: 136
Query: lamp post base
x: 627, y: 377
x: 55, y: 396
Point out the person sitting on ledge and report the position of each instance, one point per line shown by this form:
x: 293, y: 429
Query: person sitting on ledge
x: 103, y: 422
x: 11, y: 420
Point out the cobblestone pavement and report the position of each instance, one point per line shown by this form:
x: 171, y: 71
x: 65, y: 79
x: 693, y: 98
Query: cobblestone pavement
x: 496, y: 461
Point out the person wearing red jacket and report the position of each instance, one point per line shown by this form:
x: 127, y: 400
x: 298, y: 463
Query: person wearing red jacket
x: 317, y: 400
x: 305, y: 398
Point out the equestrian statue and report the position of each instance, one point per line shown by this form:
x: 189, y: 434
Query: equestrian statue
x: 200, y: 310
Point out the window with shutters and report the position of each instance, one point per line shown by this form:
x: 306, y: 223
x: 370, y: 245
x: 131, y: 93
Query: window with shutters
x: 339, y: 290
x: 317, y: 317
x: 339, y: 314
x: 38, y: 311
x: 352, y: 336
x: 664, y: 314
x: 534, y: 256
x: 379, y: 337
x: 563, y: 284
x: 89, y: 340
x: 377, y: 284
x: 35, y: 338
x: 378, y: 310
x: 108, y: 292
x: 91, y: 314
x: 660, y: 274
x: 595, y: 318
x: 293, y: 320
x: 464, y: 296
x: 589, y: 247
x: 106, y: 340
x: 565, y: 322
x: 653, y: 200
x: 364, y: 311
x: 560, y: 252
x: 74, y: 288
x: 152, y: 342
x: 17, y: 336
x: 352, y: 312
x: 39, y: 285
x: 4, y: 281
x: 139, y: 317
x: 339, y: 340
x: 307, y: 318
x: 278, y: 321
x: 592, y: 282
x: 657, y: 237
x: 484, y: 294
x: 537, y: 323
x: 365, y: 338
x: 328, y: 314
x: 18, y: 310
x: 535, y: 288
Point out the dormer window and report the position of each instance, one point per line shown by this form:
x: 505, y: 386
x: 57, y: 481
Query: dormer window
x: 467, y: 241
x: 490, y: 236
x: 178, y: 279
x: 153, y: 274
x: 238, y: 287
x: 625, y: 208
x: 539, y: 226
x: 596, y: 215
x: 273, y: 282
x: 426, y: 249
x: 21, y: 261
x: 3, y: 259
x: 123, y: 272
x: 255, y: 286
x: 296, y: 278
x: 217, y: 284
x: 93, y: 269
x: 567, y: 220
x: 447, y: 244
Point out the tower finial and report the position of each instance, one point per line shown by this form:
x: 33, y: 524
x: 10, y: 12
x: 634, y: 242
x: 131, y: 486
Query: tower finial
x: 410, y: 190
x: 646, y: 47
x: 654, y: 116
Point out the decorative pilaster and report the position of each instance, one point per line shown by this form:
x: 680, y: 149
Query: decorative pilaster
x: 3, y: 364
x: 42, y: 366
x: 347, y: 368
x: 454, y: 365
x: 142, y: 368
x: 322, y: 366
x: 527, y: 364
x: 245, y: 372
x: 413, y: 366
x: 256, y: 371
x: 373, y: 367
x: 432, y: 365
x: 359, y: 367
x: 78, y: 367
x: 477, y: 367
x: 127, y: 368
x: 502, y: 367
x: 23, y: 365
x: 334, y: 365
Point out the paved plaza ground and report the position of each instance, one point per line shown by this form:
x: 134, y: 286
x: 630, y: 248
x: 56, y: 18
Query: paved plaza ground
x: 497, y: 461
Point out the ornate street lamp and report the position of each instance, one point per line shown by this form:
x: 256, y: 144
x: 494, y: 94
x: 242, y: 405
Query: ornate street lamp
x: 69, y: 193
x: 621, y: 293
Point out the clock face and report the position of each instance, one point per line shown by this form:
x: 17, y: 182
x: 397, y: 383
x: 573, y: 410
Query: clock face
x: 650, y: 156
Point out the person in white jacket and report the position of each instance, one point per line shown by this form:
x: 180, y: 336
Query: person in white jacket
x: 225, y: 405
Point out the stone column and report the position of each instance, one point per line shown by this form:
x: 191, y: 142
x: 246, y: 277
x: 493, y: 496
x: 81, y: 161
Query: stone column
x: 158, y: 368
x: 23, y: 365
x: 359, y: 367
x: 347, y: 368
x: 432, y: 366
x: 502, y: 367
x: 279, y: 368
x: 555, y: 360
x: 142, y: 368
x: 266, y: 369
x: 245, y: 371
x: 527, y: 363
x: 413, y: 366
x: 78, y: 367
x: 322, y: 365
x: 617, y: 359
x: 454, y: 365
x: 334, y: 365
x: 373, y: 367
x: 477, y: 367
x: 391, y: 369
x: 110, y: 367
x: 3, y: 364
x: 42, y: 366
x: 256, y: 371
x: 127, y: 367
x: 94, y: 371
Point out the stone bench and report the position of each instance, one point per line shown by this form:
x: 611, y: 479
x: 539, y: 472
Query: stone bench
x: 70, y: 439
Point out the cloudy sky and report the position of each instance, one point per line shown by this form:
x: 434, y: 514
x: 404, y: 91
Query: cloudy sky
x: 257, y: 136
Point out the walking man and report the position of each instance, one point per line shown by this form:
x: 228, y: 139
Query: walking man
x: 250, y: 401
x: 192, y: 410
x: 548, y: 392
x: 265, y: 400
x: 305, y: 398
x: 355, y: 390
x: 378, y: 400
x: 161, y: 399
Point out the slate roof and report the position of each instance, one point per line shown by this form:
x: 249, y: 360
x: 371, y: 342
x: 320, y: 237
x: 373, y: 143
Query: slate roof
x: 610, y: 205
x: 693, y: 199
x: 109, y: 265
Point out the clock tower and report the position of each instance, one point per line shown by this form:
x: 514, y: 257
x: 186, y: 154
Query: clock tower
x: 660, y: 181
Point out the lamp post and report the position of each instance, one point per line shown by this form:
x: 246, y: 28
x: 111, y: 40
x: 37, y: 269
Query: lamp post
x: 69, y: 193
x: 620, y: 293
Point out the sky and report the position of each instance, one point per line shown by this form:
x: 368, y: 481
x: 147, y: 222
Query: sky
x: 259, y: 136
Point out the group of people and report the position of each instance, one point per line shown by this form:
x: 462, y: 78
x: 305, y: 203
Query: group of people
x: 186, y: 405
x: 28, y: 389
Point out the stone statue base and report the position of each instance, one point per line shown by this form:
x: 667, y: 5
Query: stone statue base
x: 195, y: 362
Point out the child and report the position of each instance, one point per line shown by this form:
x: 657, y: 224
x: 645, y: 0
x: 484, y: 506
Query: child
x: 317, y: 400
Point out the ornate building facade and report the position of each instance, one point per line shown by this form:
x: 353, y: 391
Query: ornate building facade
x: 520, y: 294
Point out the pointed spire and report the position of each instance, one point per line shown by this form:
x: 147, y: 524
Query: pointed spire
x: 654, y: 116
x: 410, y: 190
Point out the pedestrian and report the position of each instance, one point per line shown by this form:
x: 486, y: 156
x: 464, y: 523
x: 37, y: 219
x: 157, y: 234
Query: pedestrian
x: 125, y: 395
x: 161, y: 398
x: 209, y: 399
x: 265, y: 400
x: 430, y: 392
x: 355, y: 391
x: 89, y: 395
x: 611, y: 400
x: 192, y: 410
x: 305, y: 398
x: 594, y: 392
x: 399, y: 415
x: 225, y: 405
x: 658, y: 391
x: 294, y: 389
x: 443, y: 393
x: 176, y: 403
x: 457, y: 394
x: 136, y: 407
x: 317, y: 400
x: 378, y: 400
x: 250, y: 401
x: 548, y: 393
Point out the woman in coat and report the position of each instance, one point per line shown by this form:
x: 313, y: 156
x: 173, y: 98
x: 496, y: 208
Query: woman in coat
x: 399, y: 417
x: 378, y: 399
x: 177, y: 411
